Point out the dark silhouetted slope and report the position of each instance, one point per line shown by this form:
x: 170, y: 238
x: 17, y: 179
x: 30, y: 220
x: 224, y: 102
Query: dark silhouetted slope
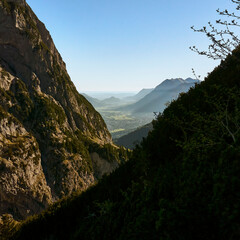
x: 131, y: 139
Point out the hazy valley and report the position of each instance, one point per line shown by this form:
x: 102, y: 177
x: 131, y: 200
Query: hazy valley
x: 126, y: 114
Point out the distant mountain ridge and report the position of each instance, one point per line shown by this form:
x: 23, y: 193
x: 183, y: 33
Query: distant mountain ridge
x: 94, y: 101
x: 111, y: 101
x: 139, y: 95
x: 157, y: 99
x: 148, y: 99
x: 153, y: 101
x: 126, y: 114
x: 97, y: 103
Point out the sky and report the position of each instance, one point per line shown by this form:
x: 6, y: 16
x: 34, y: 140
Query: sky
x: 127, y: 45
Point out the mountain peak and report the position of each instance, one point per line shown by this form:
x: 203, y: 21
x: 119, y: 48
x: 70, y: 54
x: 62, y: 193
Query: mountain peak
x: 173, y: 82
x: 156, y: 99
x: 170, y: 83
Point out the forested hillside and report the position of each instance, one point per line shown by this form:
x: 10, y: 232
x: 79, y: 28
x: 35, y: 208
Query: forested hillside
x: 181, y: 183
x: 135, y: 137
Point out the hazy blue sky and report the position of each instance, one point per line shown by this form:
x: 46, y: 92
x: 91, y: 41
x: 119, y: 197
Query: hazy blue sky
x: 127, y: 45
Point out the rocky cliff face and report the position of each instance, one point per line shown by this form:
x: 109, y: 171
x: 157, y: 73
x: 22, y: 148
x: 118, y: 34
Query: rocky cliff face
x: 48, y: 131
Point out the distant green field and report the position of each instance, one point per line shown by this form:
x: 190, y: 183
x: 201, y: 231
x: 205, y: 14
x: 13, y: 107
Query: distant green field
x: 117, y: 130
x: 121, y: 117
x: 121, y: 123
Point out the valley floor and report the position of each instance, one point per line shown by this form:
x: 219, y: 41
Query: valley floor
x: 121, y: 123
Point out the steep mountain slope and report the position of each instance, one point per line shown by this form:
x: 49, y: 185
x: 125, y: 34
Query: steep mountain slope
x: 139, y: 95
x: 105, y: 103
x: 94, y: 101
x: 182, y: 183
x: 51, y: 138
x: 131, y: 139
x: 156, y: 100
x: 111, y: 101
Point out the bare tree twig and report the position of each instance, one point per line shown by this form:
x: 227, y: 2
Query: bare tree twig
x: 223, y: 41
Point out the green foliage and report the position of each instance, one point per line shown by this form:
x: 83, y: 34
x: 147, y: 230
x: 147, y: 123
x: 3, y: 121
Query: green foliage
x: 3, y: 113
x: 4, y: 74
x: 9, y: 117
x: 46, y: 111
x: 105, y: 207
x: 23, y: 104
x: 6, y: 5
x: 76, y: 143
x: 18, y: 95
x: 59, y: 74
x: 42, y: 46
x: 7, y: 226
x: 109, y: 152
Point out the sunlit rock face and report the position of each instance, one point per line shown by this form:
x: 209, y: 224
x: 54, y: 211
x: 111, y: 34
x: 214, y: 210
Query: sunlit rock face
x: 46, y: 127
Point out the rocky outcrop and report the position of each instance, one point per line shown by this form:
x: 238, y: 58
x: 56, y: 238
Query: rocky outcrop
x: 23, y: 187
x: 47, y: 129
x: 7, y: 226
x: 101, y: 166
